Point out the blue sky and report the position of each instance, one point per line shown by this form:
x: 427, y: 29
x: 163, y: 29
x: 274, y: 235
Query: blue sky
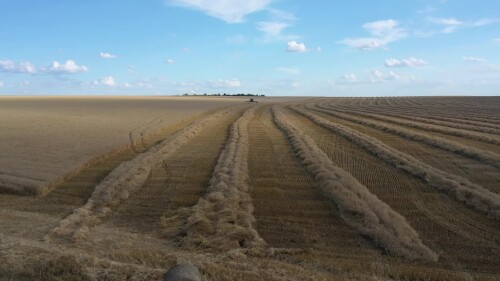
x: 282, y: 47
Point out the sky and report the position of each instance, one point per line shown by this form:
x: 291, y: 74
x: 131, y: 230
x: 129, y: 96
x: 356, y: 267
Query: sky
x: 271, y: 47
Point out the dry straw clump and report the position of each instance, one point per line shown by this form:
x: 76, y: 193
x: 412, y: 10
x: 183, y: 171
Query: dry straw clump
x: 125, y: 179
x: 463, y: 190
x: 357, y: 205
x: 224, y: 218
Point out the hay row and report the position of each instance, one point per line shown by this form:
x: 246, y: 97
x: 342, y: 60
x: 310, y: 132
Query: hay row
x: 125, y: 179
x: 461, y: 189
x: 445, y: 123
x: 224, y: 219
x: 487, y: 157
x: 357, y: 205
x: 432, y: 128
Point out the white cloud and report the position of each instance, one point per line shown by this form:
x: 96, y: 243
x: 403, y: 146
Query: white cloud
x: 294, y: 46
x: 473, y: 59
x: 228, y: 83
x: 272, y: 29
x: 496, y: 40
x: 452, y: 24
x: 278, y: 21
x: 185, y: 50
x: 230, y: 11
x: 380, y: 76
x: 105, y: 55
x: 233, y: 83
x: 349, y: 78
x: 296, y: 84
x: 382, y: 33
x: 2, y: 84
x: 289, y: 70
x: 169, y: 61
x: 380, y: 28
x: 69, y: 67
x: 106, y: 81
x: 13, y: 67
x: 409, y: 62
x: 483, y: 22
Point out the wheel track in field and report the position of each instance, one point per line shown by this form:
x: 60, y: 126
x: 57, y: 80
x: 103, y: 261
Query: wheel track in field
x: 290, y: 212
x: 403, y: 193
x: 176, y: 182
x: 444, y: 160
x: 125, y: 180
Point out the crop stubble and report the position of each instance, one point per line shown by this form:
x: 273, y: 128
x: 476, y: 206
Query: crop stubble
x: 303, y: 232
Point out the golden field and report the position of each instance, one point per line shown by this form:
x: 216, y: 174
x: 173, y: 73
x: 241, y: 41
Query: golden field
x: 123, y: 188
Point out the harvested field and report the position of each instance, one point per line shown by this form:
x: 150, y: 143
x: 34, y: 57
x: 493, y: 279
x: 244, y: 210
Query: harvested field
x: 284, y: 189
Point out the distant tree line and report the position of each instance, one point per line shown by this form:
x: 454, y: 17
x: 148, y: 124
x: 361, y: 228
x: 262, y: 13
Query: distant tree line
x: 226, y: 95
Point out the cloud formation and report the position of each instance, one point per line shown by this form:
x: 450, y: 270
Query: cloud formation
x: 294, y: 46
x: 13, y: 67
x: 278, y: 22
x: 230, y: 11
x: 452, y: 24
x: 227, y: 83
x: 106, y: 81
x: 169, y: 61
x: 473, y: 59
x: 409, y: 62
x: 69, y: 67
x: 105, y: 55
x: 382, y: 33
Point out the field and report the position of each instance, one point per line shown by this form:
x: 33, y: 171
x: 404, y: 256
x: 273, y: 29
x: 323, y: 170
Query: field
x: 402, y: 188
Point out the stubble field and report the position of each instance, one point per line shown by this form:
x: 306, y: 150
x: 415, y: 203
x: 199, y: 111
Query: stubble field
x: 401, y: 188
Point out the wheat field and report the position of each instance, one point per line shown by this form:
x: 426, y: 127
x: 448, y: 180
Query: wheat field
x: 124, y: 188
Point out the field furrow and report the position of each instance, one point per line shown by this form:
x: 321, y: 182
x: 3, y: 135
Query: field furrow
x: 445, y: 226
